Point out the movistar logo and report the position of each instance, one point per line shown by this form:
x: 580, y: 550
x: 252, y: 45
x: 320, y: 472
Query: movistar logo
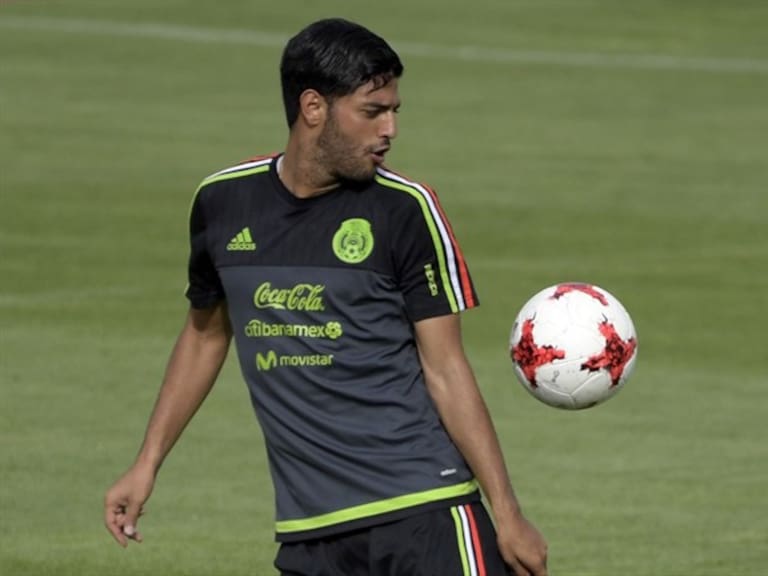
x: 266, y: 362
x: 270, y: 360
x: 304, y: 297
x: 242, y: 242
x: 259, y: 329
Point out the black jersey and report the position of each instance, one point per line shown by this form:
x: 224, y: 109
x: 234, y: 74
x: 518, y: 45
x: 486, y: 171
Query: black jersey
x: 322, y: 295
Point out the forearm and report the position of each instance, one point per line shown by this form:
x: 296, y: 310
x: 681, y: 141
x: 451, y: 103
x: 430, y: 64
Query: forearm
x: 195, y: 362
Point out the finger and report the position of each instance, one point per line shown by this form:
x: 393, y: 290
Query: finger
x: 113, y: 521
x: 132, y: 512
x: 539, y: 567
x: 518, y: 569
x: 535, y: 570
x: 118, y: 535
x: 115, y: 527
x: 133, y: 534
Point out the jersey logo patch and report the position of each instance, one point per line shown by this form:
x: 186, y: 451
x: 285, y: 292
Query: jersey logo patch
x: 242, y: 242
x: 429, y: 272
x: 353, y: 241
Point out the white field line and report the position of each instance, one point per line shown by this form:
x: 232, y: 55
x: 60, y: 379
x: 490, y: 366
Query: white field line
x: 477, y: 54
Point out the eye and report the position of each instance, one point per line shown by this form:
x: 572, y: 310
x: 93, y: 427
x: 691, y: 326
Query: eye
x: 373, y: 111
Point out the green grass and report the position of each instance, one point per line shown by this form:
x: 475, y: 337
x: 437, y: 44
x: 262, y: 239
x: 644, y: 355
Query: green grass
x: 644, y: 176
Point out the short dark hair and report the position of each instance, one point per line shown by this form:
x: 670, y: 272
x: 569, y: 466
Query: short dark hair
x: 334, y: 57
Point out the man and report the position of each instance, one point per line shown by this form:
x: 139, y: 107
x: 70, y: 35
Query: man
x: 342, y: 283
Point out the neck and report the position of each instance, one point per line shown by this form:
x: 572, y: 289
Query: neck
x: 302, y: 175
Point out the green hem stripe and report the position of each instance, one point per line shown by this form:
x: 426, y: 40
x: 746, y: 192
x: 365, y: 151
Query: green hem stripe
x: 376, y: 508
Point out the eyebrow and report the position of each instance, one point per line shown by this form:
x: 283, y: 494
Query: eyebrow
x: 378, y: 106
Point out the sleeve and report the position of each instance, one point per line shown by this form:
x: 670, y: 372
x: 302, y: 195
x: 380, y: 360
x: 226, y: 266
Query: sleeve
x: 430, y: 267
x: 204, y: 288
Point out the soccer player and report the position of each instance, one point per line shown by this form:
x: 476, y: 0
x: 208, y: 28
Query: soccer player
x: 342, y: 284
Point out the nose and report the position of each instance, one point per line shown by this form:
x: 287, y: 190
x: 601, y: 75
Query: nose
x: 388, y: 128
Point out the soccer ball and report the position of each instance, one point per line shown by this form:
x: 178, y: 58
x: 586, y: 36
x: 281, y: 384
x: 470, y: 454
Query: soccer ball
x: 573, y: 346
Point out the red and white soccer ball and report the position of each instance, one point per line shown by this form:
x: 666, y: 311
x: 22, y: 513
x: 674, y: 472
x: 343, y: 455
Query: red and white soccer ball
x: 573, y: 346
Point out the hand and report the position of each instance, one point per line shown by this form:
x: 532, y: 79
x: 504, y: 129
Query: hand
x: 124, y: 504
x: 522, y: 546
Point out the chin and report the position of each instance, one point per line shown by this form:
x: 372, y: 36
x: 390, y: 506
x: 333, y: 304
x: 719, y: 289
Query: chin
x: 361, y: 174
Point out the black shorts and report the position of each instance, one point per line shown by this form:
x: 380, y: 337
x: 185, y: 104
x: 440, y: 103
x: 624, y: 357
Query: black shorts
x: 455, y: 541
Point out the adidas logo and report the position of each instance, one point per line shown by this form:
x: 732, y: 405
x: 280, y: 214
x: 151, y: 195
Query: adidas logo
x: 242, y: 241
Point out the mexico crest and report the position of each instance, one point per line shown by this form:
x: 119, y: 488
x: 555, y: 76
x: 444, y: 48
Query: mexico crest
x: 353, y: 241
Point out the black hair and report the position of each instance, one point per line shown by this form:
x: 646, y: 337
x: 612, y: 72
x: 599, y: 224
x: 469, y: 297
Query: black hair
x: 334, y: 57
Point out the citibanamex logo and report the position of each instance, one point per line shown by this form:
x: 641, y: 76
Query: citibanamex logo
x: 303, y: 297
x: 333, y: 330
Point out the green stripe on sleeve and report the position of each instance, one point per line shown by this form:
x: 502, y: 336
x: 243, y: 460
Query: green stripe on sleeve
x: 436, y: 238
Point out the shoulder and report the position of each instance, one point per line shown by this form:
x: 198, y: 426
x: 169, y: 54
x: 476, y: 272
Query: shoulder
x: 410, y: 195
x: 256, y: 165
x: 215, y: 188
x: 401, y: 183
x: 229, y: 178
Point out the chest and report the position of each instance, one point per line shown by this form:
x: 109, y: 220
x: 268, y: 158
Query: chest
x: 345, y: 231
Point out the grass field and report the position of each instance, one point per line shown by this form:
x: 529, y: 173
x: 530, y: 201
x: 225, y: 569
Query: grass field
x: 620, y: 143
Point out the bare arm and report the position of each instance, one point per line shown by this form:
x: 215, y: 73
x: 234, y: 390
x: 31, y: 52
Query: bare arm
x: 197, y: 357
x: 465, y: 416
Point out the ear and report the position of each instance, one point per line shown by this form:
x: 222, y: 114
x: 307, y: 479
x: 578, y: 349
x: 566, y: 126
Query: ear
x: 313, y: 108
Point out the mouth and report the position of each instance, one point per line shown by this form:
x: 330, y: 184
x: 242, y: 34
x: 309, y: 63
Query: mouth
x: 379, y: 153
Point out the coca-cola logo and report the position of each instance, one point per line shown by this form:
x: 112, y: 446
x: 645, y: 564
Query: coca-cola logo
x: 303, y: 297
